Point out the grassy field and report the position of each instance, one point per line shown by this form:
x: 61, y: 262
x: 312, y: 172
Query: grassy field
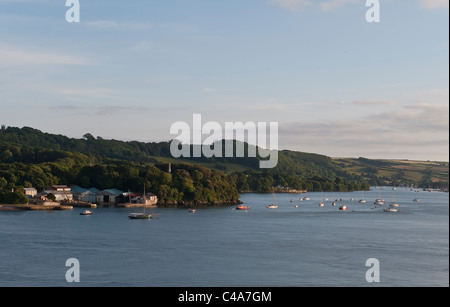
x: 404, y: 170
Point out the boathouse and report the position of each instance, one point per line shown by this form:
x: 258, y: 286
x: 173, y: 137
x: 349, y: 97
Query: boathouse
x: 108, y: 196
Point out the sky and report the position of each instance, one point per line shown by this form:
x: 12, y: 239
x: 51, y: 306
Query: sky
x: 336, y: 84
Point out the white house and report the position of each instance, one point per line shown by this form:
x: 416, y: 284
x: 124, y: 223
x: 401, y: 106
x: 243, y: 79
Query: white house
x: 30, y: 192
x: 61, y: 192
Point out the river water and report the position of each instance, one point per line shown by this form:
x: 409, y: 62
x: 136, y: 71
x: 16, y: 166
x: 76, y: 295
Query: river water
x: 290, y: 246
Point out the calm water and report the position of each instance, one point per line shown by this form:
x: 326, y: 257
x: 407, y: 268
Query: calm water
x: 288, y: 246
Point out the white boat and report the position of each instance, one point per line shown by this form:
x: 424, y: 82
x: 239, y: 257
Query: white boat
x: 416, y: 200
x: 394, y: 203
x: 343, y: 207
x: 362, y: 200
x: 86, y: 212
x: 333, y: 204
x: 141, y: 215
x: 390, y: 209
x: 272, y: 206
x: 306, y: 198
x: 379, y: 201
x: 321, y: 204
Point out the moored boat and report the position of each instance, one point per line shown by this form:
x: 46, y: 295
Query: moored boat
x: 390, y: 209
x: 140, y: 216
x: 272, y: 206
x: 343, y: 207
x: 241, y: 207
x: 86, y: 212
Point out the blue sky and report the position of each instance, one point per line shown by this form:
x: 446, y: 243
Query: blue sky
x: 337, y: 85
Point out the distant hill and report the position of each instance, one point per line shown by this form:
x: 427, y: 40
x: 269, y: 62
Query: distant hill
x: 433, y: 174
x: 54, y: 158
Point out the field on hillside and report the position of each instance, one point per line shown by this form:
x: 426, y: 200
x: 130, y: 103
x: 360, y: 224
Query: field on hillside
x: 398, y: 170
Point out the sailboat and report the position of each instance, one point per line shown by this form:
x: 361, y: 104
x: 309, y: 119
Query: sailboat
x: 322, y: 204
x: 362, y: 200
x: 390, y: 209
x: 141, y: 215
x: 272, y: 206
x: 393, y: 205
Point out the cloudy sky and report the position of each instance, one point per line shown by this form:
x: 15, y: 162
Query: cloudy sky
x: 336, y: 84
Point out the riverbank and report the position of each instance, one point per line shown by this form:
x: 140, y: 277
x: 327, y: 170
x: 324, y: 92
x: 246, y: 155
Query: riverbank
x: 197, y: 204
x: 35, y: 207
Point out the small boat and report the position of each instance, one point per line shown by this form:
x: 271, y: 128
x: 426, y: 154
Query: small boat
x: 416, y: 200
x: 241, y: 207
x: 333, y: 204
x: 296, y: 206
x: 143, y: 215
x: 321, y: 204
x: 140, y: 216
x: 379, y: 201
x: 86, y: 212
x: 306, y: 198
x: 362, y: 200
x: 192, y: 210
x: 273, y: 206
x: 394, y: 203
x: 390, y: 209
x: 343, y: 207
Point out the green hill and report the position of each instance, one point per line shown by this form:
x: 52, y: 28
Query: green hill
x: 29, y: 157
x: 433, y: 174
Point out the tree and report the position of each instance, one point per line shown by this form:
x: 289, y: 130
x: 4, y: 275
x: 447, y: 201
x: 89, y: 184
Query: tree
x: 3, y: 183
x: 51, y: 196
x: 89, y: 137
x: 6, y: 156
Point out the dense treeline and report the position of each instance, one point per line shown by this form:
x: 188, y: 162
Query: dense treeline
x: 31, y: 158
x: 13, y: 198
x: 185, y: 183
x: 88, y: 145
x: 265, y: 181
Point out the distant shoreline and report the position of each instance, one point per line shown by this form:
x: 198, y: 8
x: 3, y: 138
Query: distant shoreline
x: 7, y: 207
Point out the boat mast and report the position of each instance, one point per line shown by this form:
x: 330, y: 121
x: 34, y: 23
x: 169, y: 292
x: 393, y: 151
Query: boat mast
x: 144, y: 199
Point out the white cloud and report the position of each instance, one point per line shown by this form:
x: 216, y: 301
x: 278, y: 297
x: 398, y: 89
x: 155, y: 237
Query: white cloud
x: 373, y: 102
x: 15, y: 56
x: 297, y: 5
x: 434, y: 4
x: 418, y: 131
x: 329, y: 5
x: 108, y: 25
x: 293, y: 5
